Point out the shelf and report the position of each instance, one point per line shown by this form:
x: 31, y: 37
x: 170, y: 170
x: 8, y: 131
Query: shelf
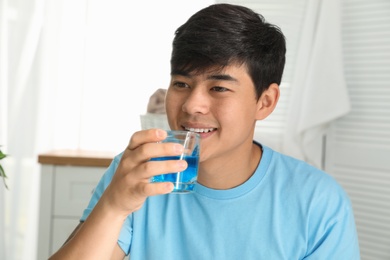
x: 77, y: 158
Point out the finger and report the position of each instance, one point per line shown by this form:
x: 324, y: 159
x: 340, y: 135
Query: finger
x: 146, y: 136
x: 152, y: 150
x: 152, y: 168
x: 153, y: 189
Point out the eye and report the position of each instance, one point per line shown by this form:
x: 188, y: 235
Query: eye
x: 179, y: 84
x: 219, y: 89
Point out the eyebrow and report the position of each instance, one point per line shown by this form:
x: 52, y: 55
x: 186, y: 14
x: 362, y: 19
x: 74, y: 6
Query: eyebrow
x: 225, y: 77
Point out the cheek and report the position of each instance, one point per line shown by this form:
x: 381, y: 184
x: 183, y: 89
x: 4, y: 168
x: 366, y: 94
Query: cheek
x: 170, y: 104
x: 239, y: 111
x: 173, y: 108
x: 237, y: 118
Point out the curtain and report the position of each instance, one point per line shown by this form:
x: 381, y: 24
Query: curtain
x: 319, y: 93
x: 21, y: 27
x: 3, y: 115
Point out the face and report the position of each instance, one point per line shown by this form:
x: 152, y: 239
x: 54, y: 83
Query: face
x: 219, y: 105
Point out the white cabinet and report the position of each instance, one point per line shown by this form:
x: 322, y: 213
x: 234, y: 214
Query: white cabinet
x: 61, y: 230
x: 67, y: 182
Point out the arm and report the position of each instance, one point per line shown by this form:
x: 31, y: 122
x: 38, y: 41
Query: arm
x: 97, y: 237
x: 117, y: 252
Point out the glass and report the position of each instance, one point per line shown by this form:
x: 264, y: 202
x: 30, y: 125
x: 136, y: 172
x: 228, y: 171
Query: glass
x: 184, y: 181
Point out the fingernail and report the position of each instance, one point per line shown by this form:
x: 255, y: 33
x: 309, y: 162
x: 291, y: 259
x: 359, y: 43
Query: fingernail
x: 160, y: 133
x: 182, y: 164
x: 178, y: 148
x: 168, y: 186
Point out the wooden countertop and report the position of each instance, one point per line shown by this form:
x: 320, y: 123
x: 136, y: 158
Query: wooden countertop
x: 77, y: 158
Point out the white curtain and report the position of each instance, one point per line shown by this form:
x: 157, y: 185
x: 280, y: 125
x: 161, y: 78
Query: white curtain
x: 18, y: 51
x: 319, y: 92
x: 3, y: 114
x: 74, y: 74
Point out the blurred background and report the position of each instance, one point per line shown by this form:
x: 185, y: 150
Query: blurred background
x: 77, y: 75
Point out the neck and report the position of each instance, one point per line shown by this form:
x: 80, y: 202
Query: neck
x: 230, y: 171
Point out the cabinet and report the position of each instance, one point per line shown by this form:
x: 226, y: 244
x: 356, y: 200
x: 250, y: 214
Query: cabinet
x: 67, y: 181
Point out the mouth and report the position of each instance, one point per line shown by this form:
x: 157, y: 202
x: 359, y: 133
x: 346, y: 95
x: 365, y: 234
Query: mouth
x: 200, y: 130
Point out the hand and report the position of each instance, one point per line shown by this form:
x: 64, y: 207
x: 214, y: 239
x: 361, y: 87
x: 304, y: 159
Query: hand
x: 130, y: 185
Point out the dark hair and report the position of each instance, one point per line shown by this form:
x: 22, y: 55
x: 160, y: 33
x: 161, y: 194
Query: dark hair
x: 224, y: 34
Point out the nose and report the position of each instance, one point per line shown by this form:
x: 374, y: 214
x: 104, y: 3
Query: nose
x: 197, y: 102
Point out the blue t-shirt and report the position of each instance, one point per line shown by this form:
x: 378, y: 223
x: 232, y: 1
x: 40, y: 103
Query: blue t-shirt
x: 286, y: 210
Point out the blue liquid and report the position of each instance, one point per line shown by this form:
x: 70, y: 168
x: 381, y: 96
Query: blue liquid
x: 183, y: 181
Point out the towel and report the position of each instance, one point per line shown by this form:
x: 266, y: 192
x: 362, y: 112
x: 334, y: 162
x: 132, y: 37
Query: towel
x: 319, y: 91
x: 156, y: 103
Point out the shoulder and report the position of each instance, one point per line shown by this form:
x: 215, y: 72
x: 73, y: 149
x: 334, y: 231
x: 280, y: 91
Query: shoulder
x: 109, y: 173
x: 113, y: 166
x: 314, y: 190
x: 315, y: 203
x: 295, y: 168
x: 303, y: 179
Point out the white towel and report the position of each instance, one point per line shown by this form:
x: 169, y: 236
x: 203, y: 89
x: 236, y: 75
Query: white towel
x: 319, y: 92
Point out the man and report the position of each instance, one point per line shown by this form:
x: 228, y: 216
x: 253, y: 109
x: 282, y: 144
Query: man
x: 250, y: 201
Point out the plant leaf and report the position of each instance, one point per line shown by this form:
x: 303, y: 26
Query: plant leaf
x: 2, y: 172
x: 3, y: 176
x: 2, y: 155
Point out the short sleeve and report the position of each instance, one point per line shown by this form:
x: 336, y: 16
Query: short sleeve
x: 125, y: 235
x: 101, y: 186
x: 336, y: 238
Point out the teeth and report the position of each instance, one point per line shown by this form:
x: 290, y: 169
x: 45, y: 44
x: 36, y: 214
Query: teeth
x: 199, y: 130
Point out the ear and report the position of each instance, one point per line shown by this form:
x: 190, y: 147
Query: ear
x: 267, y: 101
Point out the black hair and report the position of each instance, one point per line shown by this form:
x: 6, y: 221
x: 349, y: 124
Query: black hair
x: 225, y: 34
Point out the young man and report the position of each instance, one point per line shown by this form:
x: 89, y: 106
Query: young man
x: 250, y: 201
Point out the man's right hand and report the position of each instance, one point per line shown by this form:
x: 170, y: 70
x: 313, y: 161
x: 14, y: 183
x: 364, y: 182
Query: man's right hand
x: 130, y: 185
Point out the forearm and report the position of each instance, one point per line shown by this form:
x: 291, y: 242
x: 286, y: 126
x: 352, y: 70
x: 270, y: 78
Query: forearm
x: 96, y: 238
